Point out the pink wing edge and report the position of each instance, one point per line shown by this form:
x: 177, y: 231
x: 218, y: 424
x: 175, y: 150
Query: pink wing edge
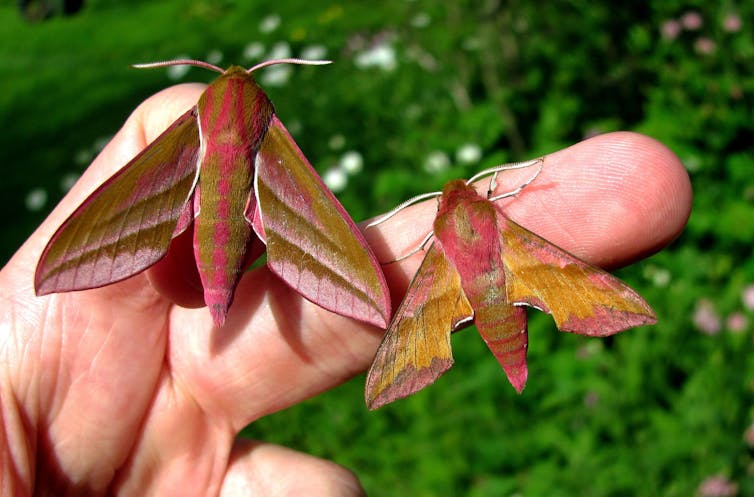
x: 253, y: 214
x: 183, y: 221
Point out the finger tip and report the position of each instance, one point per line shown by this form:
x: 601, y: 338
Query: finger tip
x: 610, y: 199
x: 157, y: 113
x: 656, y: 194
x: 669, y: 187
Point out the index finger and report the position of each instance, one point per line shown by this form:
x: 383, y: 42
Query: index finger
x: 609, y: 200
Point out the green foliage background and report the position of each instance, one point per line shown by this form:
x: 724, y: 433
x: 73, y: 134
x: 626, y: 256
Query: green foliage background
x: 655, y: 411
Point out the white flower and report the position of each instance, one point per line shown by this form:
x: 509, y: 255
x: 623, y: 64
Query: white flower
x: 381, y: 55
x: 36, y: 199
x: 661, y: 278
x: 436, y: 162
x: 253, y: 51
x: 314, y: 52
x: 469, y: 153
x: 335, y: 179
x: 178, y: 72
x: 269, y: 23
x: 280, y: 50
x: 352, y: 162
x: 421, y: 20
x: 276, y: 75
x: 214, y: 57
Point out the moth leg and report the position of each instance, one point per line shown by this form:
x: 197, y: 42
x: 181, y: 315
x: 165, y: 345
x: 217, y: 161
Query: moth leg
x: 540, y: 162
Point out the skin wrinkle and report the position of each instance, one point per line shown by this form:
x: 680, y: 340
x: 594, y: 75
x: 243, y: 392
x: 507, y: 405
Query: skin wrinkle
x: 27, y: 387
x: 275, y: 396
x: 18, y: 462
x: 624, y: 207
x: 203, y: 378
x: 341, y: 346
x: 64, y: 444
x: 85, y: 327
x: 166, y: 396
x: 183, y: 385
x: 627, y: 204
x: 49, y: 390
x: 569, y: 234
x: 574, y: 235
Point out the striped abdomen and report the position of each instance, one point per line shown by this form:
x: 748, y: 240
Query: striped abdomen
x: 233, y: 117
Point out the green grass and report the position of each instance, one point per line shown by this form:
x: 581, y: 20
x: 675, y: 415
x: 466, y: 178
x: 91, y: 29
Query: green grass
x: 654, y: 411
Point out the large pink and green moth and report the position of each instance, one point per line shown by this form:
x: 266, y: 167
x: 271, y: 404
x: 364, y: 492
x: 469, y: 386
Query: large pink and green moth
x: 229, y: 169
x: 483, y: 267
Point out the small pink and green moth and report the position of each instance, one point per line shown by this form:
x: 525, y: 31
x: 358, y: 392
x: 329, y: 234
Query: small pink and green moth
x: 229, y: 169
x: 483, y: 267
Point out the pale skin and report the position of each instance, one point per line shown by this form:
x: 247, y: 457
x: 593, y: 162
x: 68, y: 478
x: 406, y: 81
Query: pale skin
x: 120, y: 390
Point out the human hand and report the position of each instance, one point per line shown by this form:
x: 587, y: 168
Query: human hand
x: 120, y: 390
